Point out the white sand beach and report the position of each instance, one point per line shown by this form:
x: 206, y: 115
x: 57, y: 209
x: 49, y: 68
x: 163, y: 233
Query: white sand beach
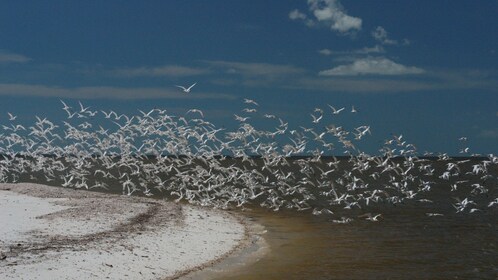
x: 56, y: 233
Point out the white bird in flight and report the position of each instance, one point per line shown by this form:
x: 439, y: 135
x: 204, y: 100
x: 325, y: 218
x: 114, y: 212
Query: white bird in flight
x: 334, y: 110
x: 11, y: 117
x: 196, y: 111
x: 187, y: 90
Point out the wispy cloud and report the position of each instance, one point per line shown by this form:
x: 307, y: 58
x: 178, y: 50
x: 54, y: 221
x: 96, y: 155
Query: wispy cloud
x: 344, y: 84
x: 8, y: 57
x: 325, y: 52
x: 160, y: 71
x: 488, y: 133
x: 381, y: 36
x: 264, y: 75
x: 372, y: 66
x: 434, y: 80
x: 329, y: 13
x: 104, y: 92
x: 365, y: 50
x: 298, y: 15
x: 260, y: 70
x: 361, y: 75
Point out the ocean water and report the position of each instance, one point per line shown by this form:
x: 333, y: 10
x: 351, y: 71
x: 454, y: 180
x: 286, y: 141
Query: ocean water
x: 406, y: 244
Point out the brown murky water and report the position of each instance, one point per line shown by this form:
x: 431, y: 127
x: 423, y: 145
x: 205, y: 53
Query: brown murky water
x: 406, y: 244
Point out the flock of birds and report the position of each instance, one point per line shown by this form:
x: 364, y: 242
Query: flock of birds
x: 189, y: 158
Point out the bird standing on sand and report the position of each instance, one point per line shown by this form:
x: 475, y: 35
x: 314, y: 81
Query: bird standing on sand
x: 185, y: 89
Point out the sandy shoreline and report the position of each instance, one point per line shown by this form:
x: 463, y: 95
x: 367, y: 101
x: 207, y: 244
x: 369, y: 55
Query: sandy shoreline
x: 57, y: 233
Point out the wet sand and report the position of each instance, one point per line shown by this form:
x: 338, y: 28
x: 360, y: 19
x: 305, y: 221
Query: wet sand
x: 58, y: 233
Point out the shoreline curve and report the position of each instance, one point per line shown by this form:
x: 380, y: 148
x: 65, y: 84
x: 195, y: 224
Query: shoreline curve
x: 54, y: 232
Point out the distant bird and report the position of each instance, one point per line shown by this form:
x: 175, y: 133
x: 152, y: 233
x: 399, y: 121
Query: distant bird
x: 196, y: 111
x: 83, y: 109
x: 371, y: 217
x: 186, y: 90
x: 197, y: 170
x: 11, y: 117
x: 241, y: 119
x: 250, y: 101
x: 343, y: 220
x: 335, y: 111
x: 434, y: 214
x: 316, y: 119
x: 65, y: 105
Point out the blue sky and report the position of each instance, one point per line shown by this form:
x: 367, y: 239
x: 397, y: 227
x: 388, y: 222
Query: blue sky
x: 424, y: 69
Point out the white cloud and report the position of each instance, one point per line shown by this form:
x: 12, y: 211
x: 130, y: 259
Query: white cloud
x: 259, y: 70
x: 371, y: 66
x: 8, y: 57
x: 325, y: 52
x: 330, y: 13
x: 297, y: 15
x: 380, y: 34
x: 365, y: 50
x: 250, y: 74
x: 432, y: 80
x: 161, y: 71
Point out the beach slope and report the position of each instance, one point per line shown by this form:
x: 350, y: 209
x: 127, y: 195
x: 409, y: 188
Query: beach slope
x: 57, y: 233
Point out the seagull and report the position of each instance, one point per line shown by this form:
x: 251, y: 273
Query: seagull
x: 250, y: 101
x: 240, y: 119
x: 343, y: 220
x: 315, y: 118
x: 434, y: 214
x: 202, y: 175
x: 187, y: 90
x: 65, y: 105
x: 11, y: 117
x: 247, y: 110
x: 371, y: 217
x: 83, y: 109
x: 334, y: 110
x: 195, y: 111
